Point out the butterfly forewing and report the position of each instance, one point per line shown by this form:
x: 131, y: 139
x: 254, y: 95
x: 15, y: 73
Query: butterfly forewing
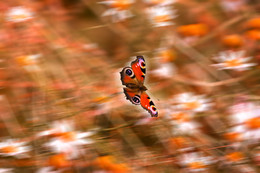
x: 128, y: 77
x: 139, y: 69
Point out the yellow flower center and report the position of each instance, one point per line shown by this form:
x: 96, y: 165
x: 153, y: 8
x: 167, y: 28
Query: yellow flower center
x: 167, y: 55
x: 121, y: 4
x: 235, y: 156
x: 179, y: 142
x: 59, y: 161
x: 197, y: 165
x: 9, y: 149
x: 20, y: 16
x: 68, y: 136
x: 191, y: 105
x: 24, y: 60
x: 233, y: 63
x: 162, y: 18
x: 157, y: 1
x: 182, y: 117
x: 253, y: 123
x: 232, y: 136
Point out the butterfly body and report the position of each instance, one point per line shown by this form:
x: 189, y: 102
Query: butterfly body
x: 133, y: 78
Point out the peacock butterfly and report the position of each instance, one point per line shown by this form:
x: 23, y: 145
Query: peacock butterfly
x: 133, y: 78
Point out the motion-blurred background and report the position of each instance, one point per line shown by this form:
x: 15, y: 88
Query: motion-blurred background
x: 63, y: 109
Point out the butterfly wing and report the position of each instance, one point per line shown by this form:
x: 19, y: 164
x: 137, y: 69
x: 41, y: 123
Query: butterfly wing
x: 133, y: 95
x: 128, y: 78
x: 139, y: 69
x: 148, y: 104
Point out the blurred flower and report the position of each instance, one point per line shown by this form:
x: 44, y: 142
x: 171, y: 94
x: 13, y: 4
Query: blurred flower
x: 247, y: 116
x: 66, y: 140
x: 27, y: 60
x: 233, y: 60
x: 58, y: 127
x: 196, y: 161
x: 6, y: 170
x: 181, y: 143
x: 235, y: 157
x: 48, y: 169
x: 232, y: 136
x: 185, y: 127
x: 253, y: 34
x: 161, y: 15
x: 160, y: 2
x: 58, y: 161
x: 19, y: 14
x: 254, y: 23
x: 190, y: 102
x: 192, y: 30
x: 119, y: 9
x: 14, y: 148
x: 164, y: 70
x: 232, y: 5
x: 108, y: 163
x: 165, y: 55
x: 232, y: 41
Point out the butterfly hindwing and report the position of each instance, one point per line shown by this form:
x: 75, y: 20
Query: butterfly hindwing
x: 139, y: 68
x: 133, y: 95
x: 148, y: 104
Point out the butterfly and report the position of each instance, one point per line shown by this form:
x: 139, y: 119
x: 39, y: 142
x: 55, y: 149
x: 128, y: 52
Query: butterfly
x: 133, y: 78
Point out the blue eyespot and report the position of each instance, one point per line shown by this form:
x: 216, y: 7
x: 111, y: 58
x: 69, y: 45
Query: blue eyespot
x: 129, y: 72
x: 136, y: 99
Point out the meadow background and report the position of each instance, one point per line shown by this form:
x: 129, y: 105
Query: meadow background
x: 63, y: 109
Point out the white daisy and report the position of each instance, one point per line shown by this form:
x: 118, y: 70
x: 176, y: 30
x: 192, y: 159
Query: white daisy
x: 69, y: 143
x: 58, y: 127
x: 195, y: 161
x: 14, y: 148
x: 66, y: 140
x: 233, y: 60
x: 119, y: 9
x: 19, y: 14
x: 6, y: 170
x: 190, y: 102
x: 232, y: 5
x: 48, y: 169
x: 160, y: 2
x: 246, y: 117
x: 161, y: 15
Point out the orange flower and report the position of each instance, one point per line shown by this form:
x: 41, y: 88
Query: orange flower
x: 231, y: 136
x: 167, y: 55
x: 197, y: 165
x: 233, y: 40
x: 193, y: 29
x: 119, y: 168
x: 191, y: 105
x: 27, y: 59
x: 253, y: 34
x: 68, y: 136
x: 105, y: 162
x: 253, y: 123
x: 59, y: 161
x: 235, y: 156
x: 121, y: 4
x: 179, y: 142
x: 254, y: 23
x: 180, y: 116
x: 9, y: 149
